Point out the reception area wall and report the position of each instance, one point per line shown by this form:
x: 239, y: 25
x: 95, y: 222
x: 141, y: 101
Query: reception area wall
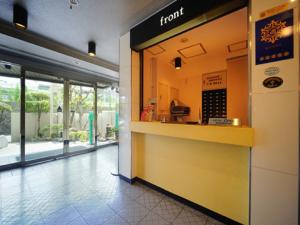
x: 275, y: 117
x: 249, y: 183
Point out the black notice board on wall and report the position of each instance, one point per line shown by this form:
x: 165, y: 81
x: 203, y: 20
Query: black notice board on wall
x: 214, y: 104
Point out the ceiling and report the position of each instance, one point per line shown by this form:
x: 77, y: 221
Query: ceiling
x: 211, y: 43
x: 47, y: 55
x: 103, y: 21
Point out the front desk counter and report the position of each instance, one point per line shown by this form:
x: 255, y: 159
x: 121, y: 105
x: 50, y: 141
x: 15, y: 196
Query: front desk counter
x: 207, y: 165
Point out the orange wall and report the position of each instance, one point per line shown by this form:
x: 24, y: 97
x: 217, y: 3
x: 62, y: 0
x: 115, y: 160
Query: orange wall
x: 237, y: 89
x: 190, y: 95
x: 164, y: 74
x: 135, y: 89
x: 147, y: 77
x: 189, y: 82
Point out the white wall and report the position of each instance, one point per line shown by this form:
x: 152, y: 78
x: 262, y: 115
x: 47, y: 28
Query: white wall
x: 125, y: 107
x: 31, y: 124
x: 275, y: 118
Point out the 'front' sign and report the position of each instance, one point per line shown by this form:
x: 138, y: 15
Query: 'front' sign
x: 177, y: 14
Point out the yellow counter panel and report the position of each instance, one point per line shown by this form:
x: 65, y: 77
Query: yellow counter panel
x: 242, y: 136
x: 208, y: 165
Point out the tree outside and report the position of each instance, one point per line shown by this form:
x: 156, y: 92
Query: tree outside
x: 45, y: 98
x: 81, y: 103
x: 9, y: 102
x: 5, y: 110
x: 37, y: 102
x: 4, y: 107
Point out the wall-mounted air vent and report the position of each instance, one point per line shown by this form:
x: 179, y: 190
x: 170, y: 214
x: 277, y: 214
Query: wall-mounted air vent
x: 156, y: 50
x: 192, y: 51
x: 241, y: 45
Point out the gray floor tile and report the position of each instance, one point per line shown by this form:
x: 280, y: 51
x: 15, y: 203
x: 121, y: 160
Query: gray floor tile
x: 187, y: 217
x: 211, y: 221
x: 194, y: 211
x: 15, y: 211
x: 22, y: 222
x: 116, y: 220
x: 15, y: 187
x: 121, y: 186
x: 107, y: 192
x: 77, y: 195
x: 77, y: 221
x: 99, y: 215
x: 134, y: 191
x: 120, y: 202
x: 149, y: 199
x: 168, y: 209
x: 24, y: 219
x: 153, y: 219
x: 53, y: 206
x: 88, y: 205
x: 62, y: 216
x: 133, y: 213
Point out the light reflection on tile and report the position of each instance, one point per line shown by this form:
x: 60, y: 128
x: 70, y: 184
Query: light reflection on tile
x: 80, y: 190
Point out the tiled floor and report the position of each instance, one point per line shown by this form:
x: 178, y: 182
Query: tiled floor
x: 81, y: 191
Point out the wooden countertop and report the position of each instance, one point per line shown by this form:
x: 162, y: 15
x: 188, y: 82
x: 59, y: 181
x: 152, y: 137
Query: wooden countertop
x: 242, y: 136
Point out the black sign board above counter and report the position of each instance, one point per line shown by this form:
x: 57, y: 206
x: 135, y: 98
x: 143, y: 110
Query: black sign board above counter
x: 179, y: 17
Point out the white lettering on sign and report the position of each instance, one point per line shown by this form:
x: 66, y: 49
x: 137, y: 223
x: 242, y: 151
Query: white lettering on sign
x: 165, y: 20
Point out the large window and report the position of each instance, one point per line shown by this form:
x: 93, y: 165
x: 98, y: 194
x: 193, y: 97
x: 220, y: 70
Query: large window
x: 9, y: 113
x: 44, y: 119
x: 43, y: 116
x: 81, y: 117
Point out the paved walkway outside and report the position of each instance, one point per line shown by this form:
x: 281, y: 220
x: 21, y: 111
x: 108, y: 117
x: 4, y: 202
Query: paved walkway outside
x: 35, y: 150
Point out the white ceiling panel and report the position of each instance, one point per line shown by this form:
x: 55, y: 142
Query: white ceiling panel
x: 103, y: 21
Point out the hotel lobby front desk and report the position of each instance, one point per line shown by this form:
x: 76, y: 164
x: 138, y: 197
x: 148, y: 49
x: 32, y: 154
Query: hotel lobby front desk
x: 207, y: 165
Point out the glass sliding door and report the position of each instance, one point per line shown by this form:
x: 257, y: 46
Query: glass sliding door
x: 10, y: 150
x: 81, y: 124
x: 107, y: 115
x: 43, y: 119
x: 32, y: 105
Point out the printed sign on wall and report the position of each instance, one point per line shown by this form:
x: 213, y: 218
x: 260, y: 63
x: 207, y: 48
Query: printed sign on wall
x: 214, y: 81
x: 274, y: 38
